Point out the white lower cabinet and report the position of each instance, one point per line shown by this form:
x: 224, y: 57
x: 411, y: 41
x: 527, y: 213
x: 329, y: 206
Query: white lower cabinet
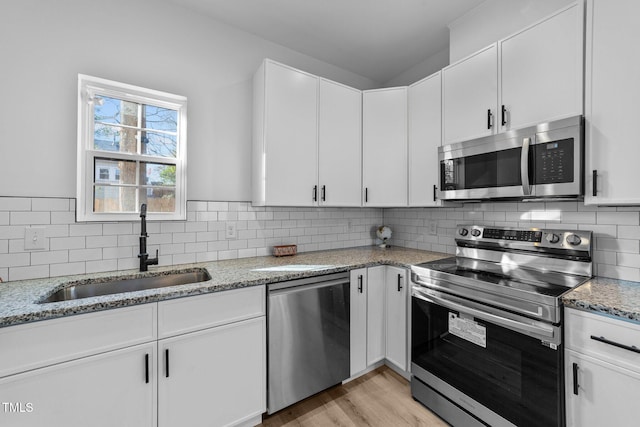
x: 602, y: 370
x: 212, y: 359
x: 208, y: 367
x: 213, y: 377
x: 379, y: 326
x: 116, y: 388
x: 396, y: 320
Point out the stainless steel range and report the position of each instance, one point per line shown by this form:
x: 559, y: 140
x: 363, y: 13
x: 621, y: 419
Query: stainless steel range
x: 487, y: 325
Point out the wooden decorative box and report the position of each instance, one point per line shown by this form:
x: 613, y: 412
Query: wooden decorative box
x: 285, y: 250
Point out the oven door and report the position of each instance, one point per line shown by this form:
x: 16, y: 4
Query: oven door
x: 478, y: 362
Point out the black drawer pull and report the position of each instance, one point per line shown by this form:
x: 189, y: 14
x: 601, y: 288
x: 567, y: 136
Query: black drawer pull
x: 315, y: 193
x: 146, y: 368
x: 616, y: 344
x: 434, y: 192
x: 595, y: 183
x: 489, y: 121
x: 366, y: 195
x: 166, y: 363
x: 324, y: 193
x: 399, y: 282
x: 360, y: 283
x: 575, y: 379
x: 504, y: 116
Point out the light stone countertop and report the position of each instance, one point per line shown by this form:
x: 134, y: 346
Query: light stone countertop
x: 611, y: 297
x: 19, y: 299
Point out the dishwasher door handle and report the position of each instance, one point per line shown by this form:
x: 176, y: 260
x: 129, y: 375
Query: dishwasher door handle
x: 302, y: 288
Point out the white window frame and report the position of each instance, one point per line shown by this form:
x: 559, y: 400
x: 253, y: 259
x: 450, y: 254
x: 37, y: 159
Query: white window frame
x: 88, y: 89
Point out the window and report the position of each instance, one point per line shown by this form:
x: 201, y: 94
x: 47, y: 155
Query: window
x: 131, y: 150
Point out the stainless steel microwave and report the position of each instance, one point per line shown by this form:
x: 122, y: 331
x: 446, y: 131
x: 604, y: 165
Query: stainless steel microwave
x: 535, y: 162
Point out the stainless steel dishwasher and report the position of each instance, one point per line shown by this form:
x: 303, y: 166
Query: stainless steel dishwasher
x: 308, y: 330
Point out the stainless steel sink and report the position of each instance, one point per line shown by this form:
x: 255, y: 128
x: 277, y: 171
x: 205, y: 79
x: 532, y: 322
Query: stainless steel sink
x: 114, y: 285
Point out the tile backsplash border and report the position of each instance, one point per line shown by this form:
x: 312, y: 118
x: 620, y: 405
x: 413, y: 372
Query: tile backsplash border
x: 81, y: 248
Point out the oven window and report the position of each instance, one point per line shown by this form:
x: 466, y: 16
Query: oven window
x: 494, y: 169
x: 513, y: 375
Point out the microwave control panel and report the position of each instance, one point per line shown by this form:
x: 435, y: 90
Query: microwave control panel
x: 554, y: 162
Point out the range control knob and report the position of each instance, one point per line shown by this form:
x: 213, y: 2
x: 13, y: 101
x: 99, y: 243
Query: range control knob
x: 475, y: 232
x: 573, y: 239
x: 463, y: 231
x: 553, y: 238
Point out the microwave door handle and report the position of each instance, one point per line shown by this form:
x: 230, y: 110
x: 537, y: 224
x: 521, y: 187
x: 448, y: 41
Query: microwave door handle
x: 524, y: 166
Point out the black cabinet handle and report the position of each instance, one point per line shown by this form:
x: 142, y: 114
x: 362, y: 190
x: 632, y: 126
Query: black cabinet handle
x: 434, y: 192
x: 575, y: 379
x: 595, y: 183
x: 616, y: 344
x: 324, y: 193
x: 504, y: 116
x: 399, y: 282
x: 360, y: 283
x: 489, y: 121
x: 166, y: 363
x: 315, y: 193
x: 366, y: 195
x: 146, y: 368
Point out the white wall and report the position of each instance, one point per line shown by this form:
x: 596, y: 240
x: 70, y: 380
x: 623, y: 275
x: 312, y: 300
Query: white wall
x: 431, y: 65
x: 44, y: 45
x: 493, y: 20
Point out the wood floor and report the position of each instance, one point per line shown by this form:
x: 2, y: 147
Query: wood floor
x: 379, y: 398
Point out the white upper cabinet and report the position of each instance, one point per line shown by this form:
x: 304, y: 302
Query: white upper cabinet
x: 384, y: 146
x: 541, y: 71
x: 533, y: 76
x: 611, y: 101
x: 470, y: 96
x: 339, y: 145
x: 285, y: 136
x: 425, y: 136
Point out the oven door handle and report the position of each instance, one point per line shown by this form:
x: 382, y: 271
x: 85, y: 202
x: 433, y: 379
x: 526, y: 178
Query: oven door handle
x: 540, y: 330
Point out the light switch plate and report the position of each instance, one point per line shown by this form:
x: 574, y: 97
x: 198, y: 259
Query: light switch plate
x: 34, y: 238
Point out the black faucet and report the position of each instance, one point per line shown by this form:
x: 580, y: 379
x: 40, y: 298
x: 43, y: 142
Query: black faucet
x: 145, y: 261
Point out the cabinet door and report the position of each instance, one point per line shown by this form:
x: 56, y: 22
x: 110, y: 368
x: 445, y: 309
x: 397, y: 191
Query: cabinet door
x: 425, y: 136
x: 375, y: 314
x: 611, y: 100
x: 358, y: 314
x: 470, y: 96
x: 607, y: 395
x: 213, y: 377
x: 339, y: 145
x: 396, y: 316
x: 290, y: 136
x: 110, y: 389
x: 541, y: 71
x: 384, y: 146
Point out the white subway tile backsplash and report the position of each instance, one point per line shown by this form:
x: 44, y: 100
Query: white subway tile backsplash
x: 628, y: 260
x: 85, y: 230
x: 26, y: 273
x: 58, y: 243
x: 50, y: 204
x: 101, y: 241
x: 15, y: 260
x: 619, y: 218
x: 68, y: 269
x: 617, y: 245
x: 4, y: 218
x: 49, y: 257
x: 63, y: 217
x: 85, y: 255
x: 117, y: 228
x: 15, y: 204
x: 30, y: 218
x: 101, y: 266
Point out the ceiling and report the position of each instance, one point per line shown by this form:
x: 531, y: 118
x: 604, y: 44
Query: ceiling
x: 378, y: 39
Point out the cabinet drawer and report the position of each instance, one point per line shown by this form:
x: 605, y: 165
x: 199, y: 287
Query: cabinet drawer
x: 189, y: 314
x: 582, y: 326
x: 38, y: 344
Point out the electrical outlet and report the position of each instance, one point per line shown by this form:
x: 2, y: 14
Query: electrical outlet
x: 34, y: 238
x: 433, y: 228
x: 231, y: 230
